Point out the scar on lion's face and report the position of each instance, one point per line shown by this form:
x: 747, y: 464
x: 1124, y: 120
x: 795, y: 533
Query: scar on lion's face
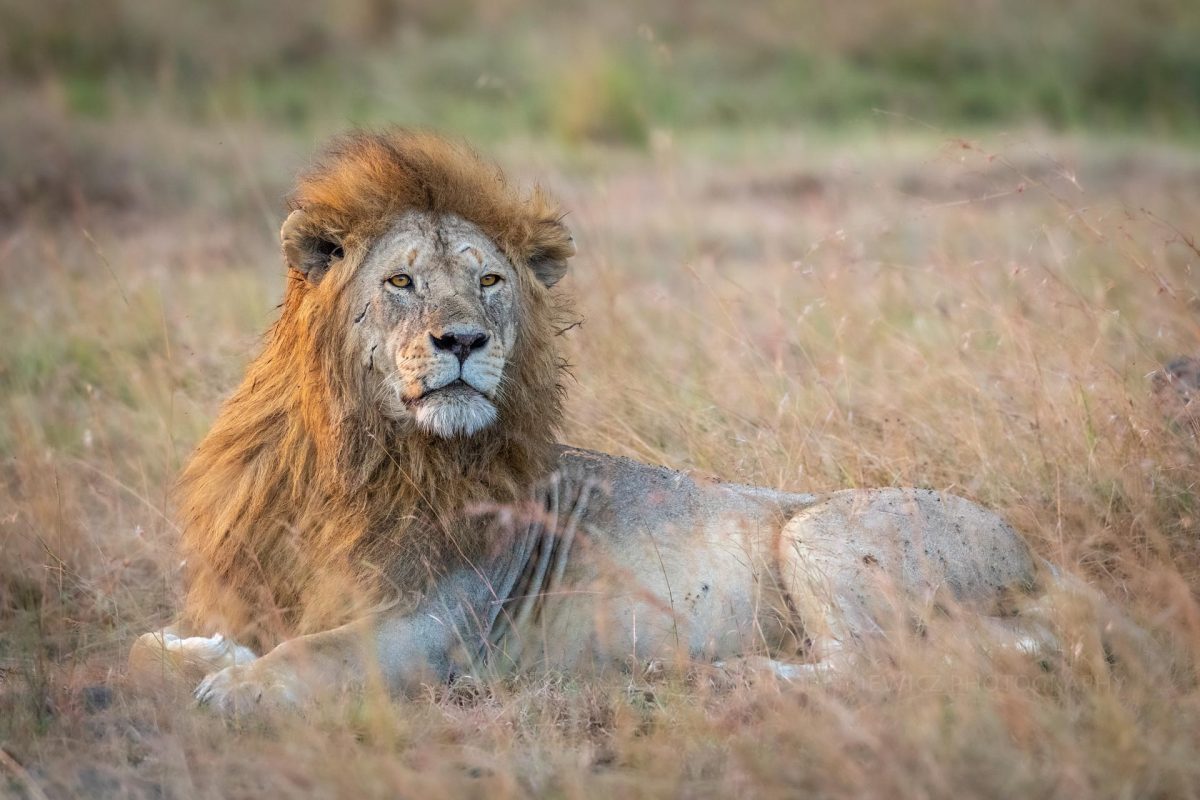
x: 439, y: 325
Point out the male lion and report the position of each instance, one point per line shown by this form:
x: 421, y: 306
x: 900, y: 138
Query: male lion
x: 383, y: 499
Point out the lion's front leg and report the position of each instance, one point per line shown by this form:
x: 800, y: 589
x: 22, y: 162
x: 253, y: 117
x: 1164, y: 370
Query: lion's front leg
x: 395, y: 650
x: 290, y: 677
x: 244, y: 688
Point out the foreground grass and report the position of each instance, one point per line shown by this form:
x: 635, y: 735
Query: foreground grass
x: 977, y: 317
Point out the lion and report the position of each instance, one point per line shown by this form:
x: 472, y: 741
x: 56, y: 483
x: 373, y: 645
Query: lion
x: 384, y: 502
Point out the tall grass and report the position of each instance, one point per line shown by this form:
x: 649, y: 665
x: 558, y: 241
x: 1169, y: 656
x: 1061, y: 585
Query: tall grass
x: 783, y: 279
x: 909, y: 309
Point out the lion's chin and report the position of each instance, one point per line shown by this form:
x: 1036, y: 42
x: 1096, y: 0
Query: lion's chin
x: 454, y: 411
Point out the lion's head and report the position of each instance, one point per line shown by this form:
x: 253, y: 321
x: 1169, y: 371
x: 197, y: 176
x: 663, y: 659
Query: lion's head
x: 436, y: 309
x: 411, y: 376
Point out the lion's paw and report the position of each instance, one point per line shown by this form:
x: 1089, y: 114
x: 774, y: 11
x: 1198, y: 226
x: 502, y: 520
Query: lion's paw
x: 248, y: 689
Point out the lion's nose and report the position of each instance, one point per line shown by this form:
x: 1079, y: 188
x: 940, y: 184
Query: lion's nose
x: 461, y: 343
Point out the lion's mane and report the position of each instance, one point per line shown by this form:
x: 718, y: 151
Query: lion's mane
x: 304, y: 504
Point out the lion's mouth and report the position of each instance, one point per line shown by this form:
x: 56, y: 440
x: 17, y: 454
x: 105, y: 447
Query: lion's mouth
x: 456, y: 409
x: 455, y: 388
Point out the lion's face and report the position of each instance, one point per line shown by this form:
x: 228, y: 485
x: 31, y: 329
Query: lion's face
x: 435, y: 305
x: 420, y: 287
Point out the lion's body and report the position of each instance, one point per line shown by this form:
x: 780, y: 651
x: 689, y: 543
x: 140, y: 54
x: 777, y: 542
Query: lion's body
x: 351, y: 472
x: 663, y: 566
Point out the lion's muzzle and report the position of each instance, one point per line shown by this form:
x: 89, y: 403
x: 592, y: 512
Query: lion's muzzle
x: 459, y: 343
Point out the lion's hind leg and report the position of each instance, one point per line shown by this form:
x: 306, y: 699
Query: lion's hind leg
x: 862, y: 566
x: 164, y: 658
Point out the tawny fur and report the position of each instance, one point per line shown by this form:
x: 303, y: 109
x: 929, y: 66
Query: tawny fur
x: 303, y: 504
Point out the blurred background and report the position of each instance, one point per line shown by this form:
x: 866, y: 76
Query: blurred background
x: 618, y: 73
x: 615, y: 71
x: 109, y: 101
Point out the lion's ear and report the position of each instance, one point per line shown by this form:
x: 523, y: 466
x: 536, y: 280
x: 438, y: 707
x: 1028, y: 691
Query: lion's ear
x: 552, y: 246
x: 306, y: 249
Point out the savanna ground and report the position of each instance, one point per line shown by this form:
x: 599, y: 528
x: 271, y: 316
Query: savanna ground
x: 780, y: 281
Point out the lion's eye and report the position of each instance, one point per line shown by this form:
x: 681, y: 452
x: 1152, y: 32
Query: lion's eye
x: 401, y: 281
x: 491, y: 279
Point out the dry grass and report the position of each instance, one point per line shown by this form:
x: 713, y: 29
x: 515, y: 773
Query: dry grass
x: 974, y: 317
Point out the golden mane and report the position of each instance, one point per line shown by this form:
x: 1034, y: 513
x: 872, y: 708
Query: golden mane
x: 304, y: 504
